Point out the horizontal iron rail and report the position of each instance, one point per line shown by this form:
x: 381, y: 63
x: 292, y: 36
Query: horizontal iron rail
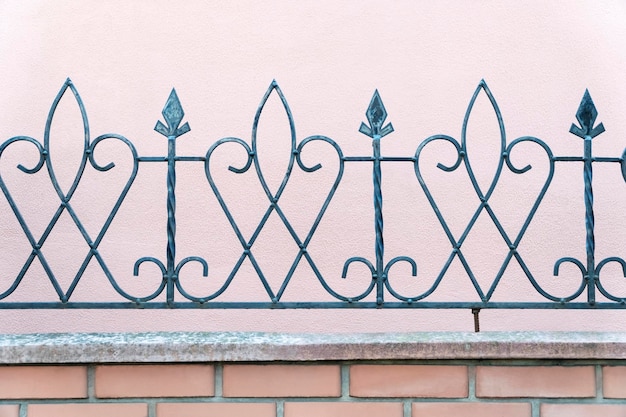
x: 513, y: 305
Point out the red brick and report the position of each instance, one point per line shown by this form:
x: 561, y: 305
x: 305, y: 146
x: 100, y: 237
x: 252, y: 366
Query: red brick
x: 583, y: 410
x: 408, y: 381
x: 126, y: 381
x: 43, y: 382
x: 441, y: 409
x: 535, y: 381
x: 281, y: 381
x: 343, y: 409
x: 216, y: 409
x: 9, y: 410
x: 614, y: 381
x: 91, y: 410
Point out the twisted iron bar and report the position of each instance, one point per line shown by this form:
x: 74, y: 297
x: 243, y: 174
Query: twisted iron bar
x: 376, y: 116
x: 586, y: 116
x: 380, y: 284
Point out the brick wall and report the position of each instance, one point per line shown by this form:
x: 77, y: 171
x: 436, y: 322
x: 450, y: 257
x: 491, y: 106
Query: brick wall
x: 396, y: 388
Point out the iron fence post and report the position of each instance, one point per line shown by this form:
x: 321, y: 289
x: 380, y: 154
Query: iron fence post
x: 590, y: 244
x: 171, y: 217
x: 173, y: 114
x: 376, y: 115
x: 378, y: 221
x: 586, y: 116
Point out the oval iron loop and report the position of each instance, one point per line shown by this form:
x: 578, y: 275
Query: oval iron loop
x: 65, y: 197
x: 482, y: 86
x: 273, y: 198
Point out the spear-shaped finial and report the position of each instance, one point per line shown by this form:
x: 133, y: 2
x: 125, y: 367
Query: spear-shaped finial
x: 586, y: 116
x: 376, y: 115
x: 173, y: 114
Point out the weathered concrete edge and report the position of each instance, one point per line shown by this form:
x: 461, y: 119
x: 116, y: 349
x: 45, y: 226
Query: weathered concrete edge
x: 249, y: 347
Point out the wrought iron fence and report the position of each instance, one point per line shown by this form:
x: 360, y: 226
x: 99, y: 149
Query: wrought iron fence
x: 379, y: 293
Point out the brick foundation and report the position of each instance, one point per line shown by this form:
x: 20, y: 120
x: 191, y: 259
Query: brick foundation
x: 104, y: 383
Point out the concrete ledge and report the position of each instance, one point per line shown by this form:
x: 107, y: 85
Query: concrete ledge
x: 248, y: 347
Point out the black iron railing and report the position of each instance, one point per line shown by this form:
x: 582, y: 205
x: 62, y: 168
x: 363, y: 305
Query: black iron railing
x: 379, y: 293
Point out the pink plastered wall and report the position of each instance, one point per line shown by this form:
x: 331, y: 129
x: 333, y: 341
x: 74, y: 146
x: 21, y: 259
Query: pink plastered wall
x: 425, y: 59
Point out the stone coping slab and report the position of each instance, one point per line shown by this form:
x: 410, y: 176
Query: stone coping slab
x: 166, y: 347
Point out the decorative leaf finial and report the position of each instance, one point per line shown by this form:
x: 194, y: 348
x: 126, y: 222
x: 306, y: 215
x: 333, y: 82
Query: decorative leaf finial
x: 173, y: 114
x: 376, y: 115
x: 586, y: 116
